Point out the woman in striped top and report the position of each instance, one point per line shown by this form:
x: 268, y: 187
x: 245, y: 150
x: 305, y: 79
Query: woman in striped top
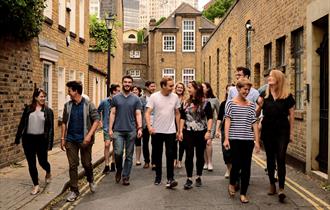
x: 241, y: 136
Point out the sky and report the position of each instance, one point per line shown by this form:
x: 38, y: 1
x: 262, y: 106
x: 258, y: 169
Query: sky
x: 201, y: 3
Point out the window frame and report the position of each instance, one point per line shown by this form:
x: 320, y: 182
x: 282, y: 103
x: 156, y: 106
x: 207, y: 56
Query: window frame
x: 61, y: 91
x: 136, y: 74
x: 297, y: 55
x: 169, y: 41
x: 188, y: 31
x: 184, y: 75
x: 172, y: 75
x: 204, y: 41
x: 48, y: 85
x: 48, y: 9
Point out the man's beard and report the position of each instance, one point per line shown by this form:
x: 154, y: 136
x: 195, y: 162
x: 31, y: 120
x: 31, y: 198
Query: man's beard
x: 125, y: 89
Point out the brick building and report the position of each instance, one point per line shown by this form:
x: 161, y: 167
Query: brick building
x: 284, y: 34
x: 57, y: 55
x: 175, y: 46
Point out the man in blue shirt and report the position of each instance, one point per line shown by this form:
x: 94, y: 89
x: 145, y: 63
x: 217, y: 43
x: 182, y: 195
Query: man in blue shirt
x: 104, y: 111
x: 125, y: 125
x: 80, y: 121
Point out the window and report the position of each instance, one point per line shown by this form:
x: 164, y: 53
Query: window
x: 81, y: 18
x: 61, y: 91
x: 134, y: 54
x: 169, y: 72
x: 169, y: 43
x: 267, y: 58
x: 73, y: 16
x: 188, y: 36
x: 188, y: 74
x: 72, y: 75
x: 61, y: 12
x: 204, y: 39
x: 280, y: 52
x: 48, y: 8
x: 47, y: 82
x: 134, y: 73
x: 131, y: 36
x: 82, y: 79
x: 94, y: 8
x: 298, y: 50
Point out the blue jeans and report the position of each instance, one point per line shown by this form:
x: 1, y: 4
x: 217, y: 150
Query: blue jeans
x: 121, y: 139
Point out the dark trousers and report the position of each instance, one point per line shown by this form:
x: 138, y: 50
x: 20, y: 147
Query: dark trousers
x: 194, y: 140
x: 36, y: 145
x: 276, y: 151
x: 181, y: 150
x: 226, y: 153
x: 72, y: 150
x: 241, y: 151
x: 157, y: 145
x: 145, y: 146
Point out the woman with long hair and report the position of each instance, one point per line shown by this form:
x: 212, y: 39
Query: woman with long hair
x: 195, y: 129
x: 241, y: 136
x: 36, y: 129
x: 277, y: 105
x: 215, y: 105
x: 138, y: 92
x: 220, y: 132
x: 180, y: 91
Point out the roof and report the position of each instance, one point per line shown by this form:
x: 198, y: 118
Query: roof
x: 185, y: 9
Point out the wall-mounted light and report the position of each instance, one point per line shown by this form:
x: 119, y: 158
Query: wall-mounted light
x: 248, y: 26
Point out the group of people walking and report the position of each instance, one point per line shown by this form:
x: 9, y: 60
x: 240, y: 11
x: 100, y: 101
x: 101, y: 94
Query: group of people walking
x: 184, y: 118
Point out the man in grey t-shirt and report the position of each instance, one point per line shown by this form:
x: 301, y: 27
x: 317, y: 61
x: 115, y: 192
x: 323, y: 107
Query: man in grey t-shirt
x: 125, y: 124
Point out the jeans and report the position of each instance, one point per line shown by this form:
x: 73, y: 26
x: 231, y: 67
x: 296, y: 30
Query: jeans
x: 36, y: 145
x: 72, y: 150
x: 124, y: 139
x: 194, y: 139
x: 157, y: 145
x: 241, y: 151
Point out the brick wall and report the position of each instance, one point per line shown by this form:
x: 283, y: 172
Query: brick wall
x: 270, y: 20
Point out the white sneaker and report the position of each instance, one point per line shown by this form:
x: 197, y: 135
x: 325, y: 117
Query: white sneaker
x: 210, y: 167
x: 227, y: 174
x: 205, y: 166
x: 92, y: 187
x: 72, y: 196
x: 35, y: 190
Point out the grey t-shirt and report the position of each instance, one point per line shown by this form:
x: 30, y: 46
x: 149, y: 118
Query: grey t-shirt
x: 36, y: 123
x: 125, y: 111
x: 252, y: 96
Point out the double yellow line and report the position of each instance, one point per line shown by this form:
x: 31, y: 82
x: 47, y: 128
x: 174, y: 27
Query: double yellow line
x: 294, y: 186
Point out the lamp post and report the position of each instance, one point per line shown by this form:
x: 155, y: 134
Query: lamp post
x: 109, y: 22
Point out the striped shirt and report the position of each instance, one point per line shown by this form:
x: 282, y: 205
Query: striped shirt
x: 241, y: 120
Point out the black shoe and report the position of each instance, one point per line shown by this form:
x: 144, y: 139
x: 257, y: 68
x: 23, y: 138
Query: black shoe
x: 198, y: 182
x: 106, y: 170
x: 126, y: 181
x: 118, y: 176
x: 281, y: 197
x: 171, y: 183
x: 157, y: 181
x: 112, y: 167
x: 153, y: 167
x: 188, y: 184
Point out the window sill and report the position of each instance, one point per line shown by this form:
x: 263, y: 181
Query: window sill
x: 81, y: 40
x: 48, y: 21
x: 62, y: 28
x: 299, y: 114
x: 73, y: 35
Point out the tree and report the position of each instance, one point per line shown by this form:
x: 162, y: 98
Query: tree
x: 160, y: 21
x: 21, y: 19
x: 217, y: 9
x: 140, y: 36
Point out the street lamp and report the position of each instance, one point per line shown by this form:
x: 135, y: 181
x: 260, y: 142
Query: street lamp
x: 109, y: 22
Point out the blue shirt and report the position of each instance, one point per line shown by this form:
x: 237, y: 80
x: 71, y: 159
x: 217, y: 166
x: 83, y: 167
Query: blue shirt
x: 126, y: 107
x: 252, y: 96
x: 104, y: 108
x: 75, y: 131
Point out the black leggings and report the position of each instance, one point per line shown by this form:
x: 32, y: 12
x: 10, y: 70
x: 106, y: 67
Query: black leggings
x: 145, y: 146
x: 36, y: 145
x: 194, y: 139
x: 241, y: 151
x: 276, y: 151
x: 181, y: 150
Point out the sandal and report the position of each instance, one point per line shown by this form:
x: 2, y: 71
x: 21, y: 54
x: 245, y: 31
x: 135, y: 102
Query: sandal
x: 272, y: 190
x: 243, y: 199
x: 231, y: 190
x: 35, y: 190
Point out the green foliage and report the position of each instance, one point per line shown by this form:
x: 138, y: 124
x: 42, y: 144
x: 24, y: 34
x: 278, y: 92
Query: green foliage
x: 218, y: 9
x: 98, y: 30
x: 160, y: 21
x: 140, y: 36
x: 21, y: 19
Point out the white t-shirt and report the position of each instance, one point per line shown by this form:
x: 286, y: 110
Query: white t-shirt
x: 164, y: 111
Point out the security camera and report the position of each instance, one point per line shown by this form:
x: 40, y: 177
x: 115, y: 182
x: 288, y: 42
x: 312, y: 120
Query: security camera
x: 248, y: 26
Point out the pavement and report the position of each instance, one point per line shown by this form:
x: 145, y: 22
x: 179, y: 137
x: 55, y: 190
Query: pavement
x: 16, y: 183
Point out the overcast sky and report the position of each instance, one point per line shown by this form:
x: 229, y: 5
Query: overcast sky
x: 201, y: 3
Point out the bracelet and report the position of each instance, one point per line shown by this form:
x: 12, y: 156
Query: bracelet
x: 209, y: 131
x: 139, y: 128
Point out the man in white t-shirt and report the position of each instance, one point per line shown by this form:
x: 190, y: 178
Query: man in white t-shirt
x: 165, y: 107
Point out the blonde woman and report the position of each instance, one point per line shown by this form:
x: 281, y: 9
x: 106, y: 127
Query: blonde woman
x: 277, y: 105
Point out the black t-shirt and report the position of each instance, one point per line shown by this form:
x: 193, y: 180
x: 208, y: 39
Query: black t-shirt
x: 222, y: 114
